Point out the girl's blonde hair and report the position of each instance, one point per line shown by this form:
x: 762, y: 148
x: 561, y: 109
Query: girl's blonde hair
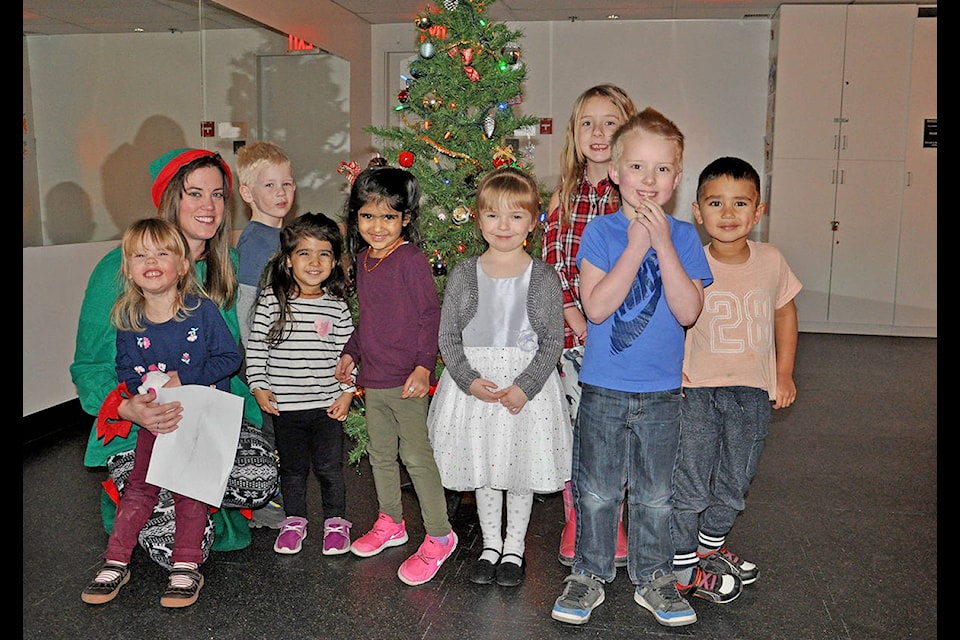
x: 128, y: 313
x: 508, y: 188
x: 572, y: 160
x: 220, y: 282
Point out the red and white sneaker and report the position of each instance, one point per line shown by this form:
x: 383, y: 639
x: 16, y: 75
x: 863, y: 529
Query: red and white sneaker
x: 424, y: 564
x: 385, y: 533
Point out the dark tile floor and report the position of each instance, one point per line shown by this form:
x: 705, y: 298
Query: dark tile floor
x: 841, y: 518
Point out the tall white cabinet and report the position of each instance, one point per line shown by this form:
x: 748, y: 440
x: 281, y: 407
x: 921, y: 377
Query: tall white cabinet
x: 837, y: 170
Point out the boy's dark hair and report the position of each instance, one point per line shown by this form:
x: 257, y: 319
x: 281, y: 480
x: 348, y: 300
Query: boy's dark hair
x: 730, y: 167
x: 398, y: 189
x: 279, y: 277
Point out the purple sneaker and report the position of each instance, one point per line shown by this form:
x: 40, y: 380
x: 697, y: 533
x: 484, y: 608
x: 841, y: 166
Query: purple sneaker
x: 293, y: 530
x: 336, y: 536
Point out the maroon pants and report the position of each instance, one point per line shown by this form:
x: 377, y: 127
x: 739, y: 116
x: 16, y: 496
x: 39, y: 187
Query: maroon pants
x: 136, y: 506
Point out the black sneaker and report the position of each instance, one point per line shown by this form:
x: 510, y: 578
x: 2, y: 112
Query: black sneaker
x: 719, y: 588
x: 106, y: 584
x: 726, y: 561
x: 269, y: 516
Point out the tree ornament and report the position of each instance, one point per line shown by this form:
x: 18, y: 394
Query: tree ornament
x: 439, y: 265
x: 427, y: 50
x: 406, y: 159
x: 488, y: 125
x: 512, y: 54
x: 461, y: 247
x: 460, y: 214
x: 423, y: 22
x: 451, y: 5
x: 404, y: 96
x: 503, y: 156
x: 378, y: 161
x: 432, y: 102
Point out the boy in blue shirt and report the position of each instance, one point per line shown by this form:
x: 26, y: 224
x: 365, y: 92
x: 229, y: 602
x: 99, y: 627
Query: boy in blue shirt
x: 642, y: 275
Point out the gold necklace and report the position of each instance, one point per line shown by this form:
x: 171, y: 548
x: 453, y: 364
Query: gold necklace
x: 380, y: 260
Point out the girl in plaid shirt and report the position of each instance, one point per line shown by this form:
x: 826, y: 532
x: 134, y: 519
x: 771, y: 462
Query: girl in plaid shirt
x: 585, y: 192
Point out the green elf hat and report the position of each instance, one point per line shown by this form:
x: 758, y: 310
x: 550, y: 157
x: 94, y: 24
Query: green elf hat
x: 166, y: 166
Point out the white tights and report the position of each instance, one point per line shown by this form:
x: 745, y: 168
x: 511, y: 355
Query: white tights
x: 490, y: 513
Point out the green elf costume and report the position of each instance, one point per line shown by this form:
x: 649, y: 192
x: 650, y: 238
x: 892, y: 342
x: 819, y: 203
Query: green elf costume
x: 112, y: 440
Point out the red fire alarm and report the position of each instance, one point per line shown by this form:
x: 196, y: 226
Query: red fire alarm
x: 206, y: 129
x: 546, y: 126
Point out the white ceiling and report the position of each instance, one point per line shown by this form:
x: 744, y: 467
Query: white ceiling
x: 59, y: 17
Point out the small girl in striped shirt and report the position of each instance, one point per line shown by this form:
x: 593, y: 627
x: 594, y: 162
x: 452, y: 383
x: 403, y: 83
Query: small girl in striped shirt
x: 301, y: 323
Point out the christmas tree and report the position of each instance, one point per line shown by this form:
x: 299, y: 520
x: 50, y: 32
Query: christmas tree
x: 457, y: 107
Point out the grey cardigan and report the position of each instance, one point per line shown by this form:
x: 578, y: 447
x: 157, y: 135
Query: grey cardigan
x: 544, y: 309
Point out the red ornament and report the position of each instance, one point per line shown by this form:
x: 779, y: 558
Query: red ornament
x: 406, y: 159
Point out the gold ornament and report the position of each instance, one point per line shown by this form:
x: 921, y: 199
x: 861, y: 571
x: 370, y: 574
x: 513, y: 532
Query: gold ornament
x: 460, y: 214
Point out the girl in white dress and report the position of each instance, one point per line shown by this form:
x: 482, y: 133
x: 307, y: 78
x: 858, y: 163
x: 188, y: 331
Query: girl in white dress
x: 498, y: 420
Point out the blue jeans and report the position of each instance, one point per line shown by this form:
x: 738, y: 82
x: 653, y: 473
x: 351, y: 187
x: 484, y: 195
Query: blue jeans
x: 624, y: 440
x: 722, y: 433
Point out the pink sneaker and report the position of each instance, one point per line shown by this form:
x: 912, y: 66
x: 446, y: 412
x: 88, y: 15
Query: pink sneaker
x: 423, y: 565
x: 336, y: 536
x: 293, y: 530
x: 385, y: 533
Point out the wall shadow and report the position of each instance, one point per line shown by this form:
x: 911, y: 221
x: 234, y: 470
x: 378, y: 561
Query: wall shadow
x: 69, y: 214
x: 125, y: 174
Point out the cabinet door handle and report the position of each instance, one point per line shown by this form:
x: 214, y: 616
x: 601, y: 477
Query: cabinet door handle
x: 844, y: 145
x: 833, y: 176
x: 835, y: 141
x: 843, y: 174
x: 909, y: 178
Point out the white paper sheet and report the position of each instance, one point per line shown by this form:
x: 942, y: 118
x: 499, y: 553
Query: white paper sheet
x: 196, y: 459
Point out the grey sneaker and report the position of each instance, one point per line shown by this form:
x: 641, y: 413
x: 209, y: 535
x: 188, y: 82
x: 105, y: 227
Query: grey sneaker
x: 726, y: 561
x: 661, y: 598
x: 270, y: 516
x: 580, y: 597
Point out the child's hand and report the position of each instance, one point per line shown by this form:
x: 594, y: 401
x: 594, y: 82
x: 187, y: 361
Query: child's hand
x: 267, y: 401
x: 576, y: 322
x: 786, y: 392
x: 344, y: 371
x: 513, y: 399
x: 652, y: 217
x: 341, y: 406
x: 486, y: 391
x: 417, y: 384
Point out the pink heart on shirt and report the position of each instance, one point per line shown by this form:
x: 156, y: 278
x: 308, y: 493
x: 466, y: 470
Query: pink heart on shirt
x: 322, y: 326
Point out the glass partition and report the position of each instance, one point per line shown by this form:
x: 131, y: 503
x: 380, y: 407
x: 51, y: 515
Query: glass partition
x: 98, y: 108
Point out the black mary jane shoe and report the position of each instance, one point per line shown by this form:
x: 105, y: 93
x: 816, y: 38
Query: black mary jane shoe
x: 510, y: 574
x: 483, y: 571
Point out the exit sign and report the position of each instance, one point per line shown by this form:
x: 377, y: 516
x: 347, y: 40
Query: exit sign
x: 298, y: 44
